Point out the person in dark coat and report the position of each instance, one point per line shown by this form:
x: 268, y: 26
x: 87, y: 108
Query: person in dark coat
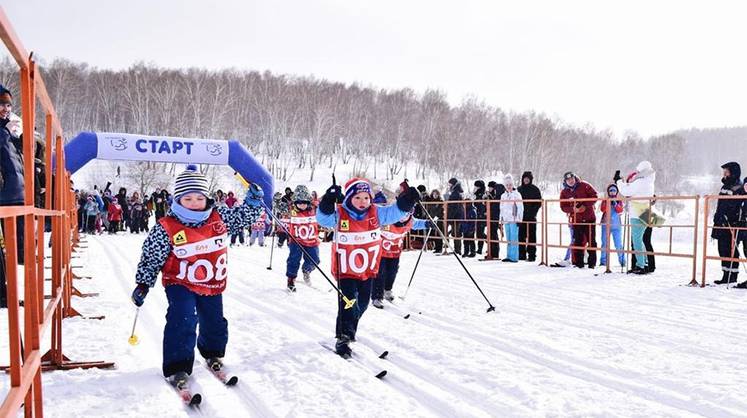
x: 495, y: 191
x: 160, y: 203
x: 480, y: 213
x: 124, y: 204
x: 582, y: 217
x: 419, y: 235
x: 436, y: 210
x: 455, y: 212
x: 11, y: 164
x: 528, y: 226
x: 467, y: 230
x: 727, y: 216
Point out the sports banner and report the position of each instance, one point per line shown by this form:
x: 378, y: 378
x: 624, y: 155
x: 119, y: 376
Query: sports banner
x: 118, y: 146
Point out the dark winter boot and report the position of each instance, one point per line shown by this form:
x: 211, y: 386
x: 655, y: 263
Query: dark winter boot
x: 742, y: 285
x: 179, y: 380
x: 723, y: 280
x: 342, y: 347
x: 291, y: 284
x: 215, y: 363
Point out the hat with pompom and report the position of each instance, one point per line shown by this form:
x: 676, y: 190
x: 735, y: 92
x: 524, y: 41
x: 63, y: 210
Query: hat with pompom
x: 357, y: 185
x: 190, y: 181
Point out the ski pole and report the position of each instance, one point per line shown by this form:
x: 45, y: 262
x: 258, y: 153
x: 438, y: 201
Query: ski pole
x: 416, y: 263
x: 272, y: 242
x: 732, y: 252
x: 134, y: 340
x: 448, y: 246
x: 348, y: 302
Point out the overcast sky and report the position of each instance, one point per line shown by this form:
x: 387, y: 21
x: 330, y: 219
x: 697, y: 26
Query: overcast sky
x: 648, y: 66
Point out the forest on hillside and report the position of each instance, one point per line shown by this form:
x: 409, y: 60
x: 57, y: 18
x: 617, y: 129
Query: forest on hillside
x: 305, y: 122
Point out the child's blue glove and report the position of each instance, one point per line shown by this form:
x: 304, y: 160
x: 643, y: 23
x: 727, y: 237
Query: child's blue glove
x: 139, y: 294
x: 254, y: 195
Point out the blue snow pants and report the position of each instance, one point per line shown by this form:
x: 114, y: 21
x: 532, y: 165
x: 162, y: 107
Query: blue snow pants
x: 186, y: 310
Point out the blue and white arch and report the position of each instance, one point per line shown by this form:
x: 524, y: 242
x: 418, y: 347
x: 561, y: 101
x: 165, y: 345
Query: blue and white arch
x: 88, y: 146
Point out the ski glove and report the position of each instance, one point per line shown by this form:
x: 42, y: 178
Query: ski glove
x: 139, y: 294
x: 254, y: 195
x: 331, y: 196
x: 407, y: 200
x: 430, y: 225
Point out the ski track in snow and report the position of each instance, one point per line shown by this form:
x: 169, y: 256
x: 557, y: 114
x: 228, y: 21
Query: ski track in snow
x: 561, y: 343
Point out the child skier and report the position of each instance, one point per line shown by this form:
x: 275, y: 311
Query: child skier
x: 615, y: 225
x: 356, y: 250
x: 189, y: 247
x: 391, y: 249
x: 257, y: 231
x: 304, y: 235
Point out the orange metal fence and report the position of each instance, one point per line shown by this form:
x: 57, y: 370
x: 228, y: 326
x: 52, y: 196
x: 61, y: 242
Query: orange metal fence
x: 26, y: 361
x: 734, y: 234
x: 493, y: 232
x: 544, y: 224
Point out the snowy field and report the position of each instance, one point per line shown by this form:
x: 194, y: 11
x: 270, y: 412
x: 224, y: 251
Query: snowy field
x: 562, y: 342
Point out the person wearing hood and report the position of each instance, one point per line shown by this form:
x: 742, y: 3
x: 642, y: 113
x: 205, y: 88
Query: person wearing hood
x: 528, y: 226
x: 495, y: 191
x: 92, y: 209
x: 304, y: 238
x: 189, y: 247
x: 581, y: 217
x: 11, y: 166
x: 613, y: 211
x: 481, y: 195
x: 356, y: 252
x: 512, y: 212
x: 639, y: 184
x: 231, y: 200
x: 727, y: 216
x: 455, y: 212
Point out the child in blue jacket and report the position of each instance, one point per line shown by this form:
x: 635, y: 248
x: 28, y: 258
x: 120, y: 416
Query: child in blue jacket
x: 617, y: 207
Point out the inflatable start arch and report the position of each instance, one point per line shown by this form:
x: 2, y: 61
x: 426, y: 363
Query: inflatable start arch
x: 116, y: 146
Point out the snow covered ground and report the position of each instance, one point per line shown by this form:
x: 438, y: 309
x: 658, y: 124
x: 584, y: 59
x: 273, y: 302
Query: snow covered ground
x: 562, y: 342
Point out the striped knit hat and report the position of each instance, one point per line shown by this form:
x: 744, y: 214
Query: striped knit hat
x: 190, y: 181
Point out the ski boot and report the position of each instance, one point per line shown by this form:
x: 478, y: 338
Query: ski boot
x: 377, y: 303
x: 342, y: 347
x: 388, y: 295
x: 291, y: 284
x: 307, y: 277
x: 215, y: 363
x: 179, y: 380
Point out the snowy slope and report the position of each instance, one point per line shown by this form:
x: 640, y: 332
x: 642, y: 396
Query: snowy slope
x: 561, y: 343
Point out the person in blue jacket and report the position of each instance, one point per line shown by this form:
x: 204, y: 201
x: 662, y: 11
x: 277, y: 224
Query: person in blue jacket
x: 613, y: 210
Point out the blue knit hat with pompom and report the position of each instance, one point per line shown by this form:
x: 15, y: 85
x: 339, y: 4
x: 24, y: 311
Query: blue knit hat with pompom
x: 190, y: 181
